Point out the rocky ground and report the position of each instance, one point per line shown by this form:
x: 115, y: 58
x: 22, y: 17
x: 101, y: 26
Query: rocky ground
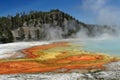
x: 63, y: 76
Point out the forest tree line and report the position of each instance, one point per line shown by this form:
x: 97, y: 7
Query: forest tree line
x: 9, y: 23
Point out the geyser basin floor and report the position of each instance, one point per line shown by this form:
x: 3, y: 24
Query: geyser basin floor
x: 54, y: 57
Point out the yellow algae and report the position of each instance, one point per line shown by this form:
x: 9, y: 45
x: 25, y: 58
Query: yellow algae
x: 48, y: 55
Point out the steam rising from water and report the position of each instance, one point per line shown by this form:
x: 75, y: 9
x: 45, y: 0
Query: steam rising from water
x: 103, y: 15
x: 53, y: 33
x: 103, y: 12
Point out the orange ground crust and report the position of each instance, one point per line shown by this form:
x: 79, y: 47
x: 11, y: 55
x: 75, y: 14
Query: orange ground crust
x: 81, y: 61
x: 29, y: 51
x: 33, y: 67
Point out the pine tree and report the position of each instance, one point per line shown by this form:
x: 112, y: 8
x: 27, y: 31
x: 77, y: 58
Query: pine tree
x: 29, y: 36
x: 10, y: 36
x: 21, y: 33
x: 37, y: 34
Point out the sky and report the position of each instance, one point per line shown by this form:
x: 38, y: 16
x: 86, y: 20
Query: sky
x: 87, y: 11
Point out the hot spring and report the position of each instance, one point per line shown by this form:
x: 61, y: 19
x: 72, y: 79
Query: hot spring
x: 109, y: 46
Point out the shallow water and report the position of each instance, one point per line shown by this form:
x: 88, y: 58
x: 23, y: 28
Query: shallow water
x: 108, y: 46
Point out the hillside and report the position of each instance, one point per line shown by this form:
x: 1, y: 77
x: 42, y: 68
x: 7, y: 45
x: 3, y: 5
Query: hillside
x: 37, y: 25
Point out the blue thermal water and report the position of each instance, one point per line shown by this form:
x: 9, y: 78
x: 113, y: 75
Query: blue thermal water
x: 108, y: 46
